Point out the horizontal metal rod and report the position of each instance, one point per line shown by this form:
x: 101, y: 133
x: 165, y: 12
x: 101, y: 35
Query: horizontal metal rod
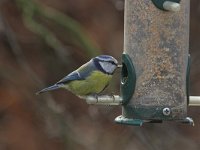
x: 117, y: 100
x: 194, y: 101
x: 103, y: 99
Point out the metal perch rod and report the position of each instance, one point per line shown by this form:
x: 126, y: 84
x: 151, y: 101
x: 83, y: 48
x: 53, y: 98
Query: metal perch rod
x: 103, y: 100
x: 194, y: 101
x: 117, y: 100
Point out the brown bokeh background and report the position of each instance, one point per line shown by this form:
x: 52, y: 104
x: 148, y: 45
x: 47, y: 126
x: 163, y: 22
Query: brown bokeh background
x: 38, y: 48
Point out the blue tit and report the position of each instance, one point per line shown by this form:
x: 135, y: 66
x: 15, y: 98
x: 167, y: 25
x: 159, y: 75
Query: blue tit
x: 91, y: 78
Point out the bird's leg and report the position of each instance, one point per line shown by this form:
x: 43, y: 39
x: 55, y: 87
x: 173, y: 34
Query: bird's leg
x: 96, y: 96
x: 112, y: 95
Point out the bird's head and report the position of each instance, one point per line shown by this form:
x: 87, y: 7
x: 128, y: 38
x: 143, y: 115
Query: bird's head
x: 106, y: 63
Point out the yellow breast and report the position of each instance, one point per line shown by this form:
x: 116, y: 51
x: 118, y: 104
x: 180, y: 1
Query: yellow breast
x: 93, y: 84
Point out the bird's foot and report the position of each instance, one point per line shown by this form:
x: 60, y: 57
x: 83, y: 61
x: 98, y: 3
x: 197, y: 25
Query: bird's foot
x: 112, y: 95
x: 95, y: 95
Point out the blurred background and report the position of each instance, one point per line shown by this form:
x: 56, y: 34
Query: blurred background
x: 43, y: 40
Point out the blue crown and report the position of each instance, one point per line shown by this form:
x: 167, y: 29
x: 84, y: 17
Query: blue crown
x: 106, y: 58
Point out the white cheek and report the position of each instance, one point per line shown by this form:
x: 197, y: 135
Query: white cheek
x: 112, y: 68
x: 108, y: 67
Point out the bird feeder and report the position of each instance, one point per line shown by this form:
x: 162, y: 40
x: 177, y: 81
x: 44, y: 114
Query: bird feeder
x: 156, y: 47
x: 156, y: 63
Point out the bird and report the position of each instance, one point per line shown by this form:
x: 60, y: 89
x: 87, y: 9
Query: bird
x: 89, y: 79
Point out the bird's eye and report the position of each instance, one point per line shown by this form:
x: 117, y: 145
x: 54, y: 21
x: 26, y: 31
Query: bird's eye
x: 112, y: 62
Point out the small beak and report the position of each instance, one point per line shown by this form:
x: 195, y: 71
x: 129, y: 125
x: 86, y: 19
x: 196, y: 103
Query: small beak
x: 119, y: 66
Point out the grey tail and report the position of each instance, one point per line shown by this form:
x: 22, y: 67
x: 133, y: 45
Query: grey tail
x: 50, y: 88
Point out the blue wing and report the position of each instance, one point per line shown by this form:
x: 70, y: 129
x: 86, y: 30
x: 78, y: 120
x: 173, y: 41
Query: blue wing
x: 80, y: 74
x: 72, y: 76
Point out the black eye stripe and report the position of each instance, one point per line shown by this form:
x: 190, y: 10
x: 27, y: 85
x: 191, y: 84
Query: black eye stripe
x: 112, y: 62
